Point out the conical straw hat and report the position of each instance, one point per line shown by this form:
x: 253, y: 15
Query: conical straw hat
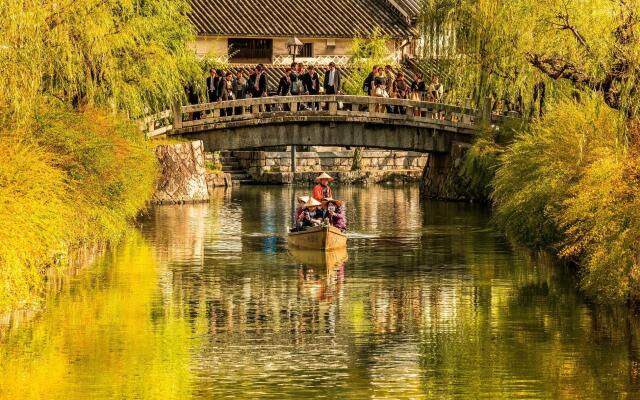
x: 332, y: 200
x: 324, y: 175
x: 303, y: 199
x: 313, y: 202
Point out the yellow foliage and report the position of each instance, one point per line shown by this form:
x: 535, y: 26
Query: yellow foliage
x: 35, y: 212
x: 572, y: 185
x: 74, y: 178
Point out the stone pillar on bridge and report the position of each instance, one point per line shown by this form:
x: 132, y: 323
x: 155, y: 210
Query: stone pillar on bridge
x: 441, y: 175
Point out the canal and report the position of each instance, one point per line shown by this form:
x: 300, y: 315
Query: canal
x: 205, y: 301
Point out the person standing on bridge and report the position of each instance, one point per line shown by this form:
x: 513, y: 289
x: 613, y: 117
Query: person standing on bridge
x: 212, y: 86
x: 322, y: 190
x: 240, y: 89
x: 311, y: 82
x: 221, y: 89
x: 401, y: 89
x: 284, y: 86
x: 332, y: 80
x: 258, y: 84
x: 418, y: 88
x: 368, y: 84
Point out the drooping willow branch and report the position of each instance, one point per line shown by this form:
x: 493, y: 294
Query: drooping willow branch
x: 621, y: 70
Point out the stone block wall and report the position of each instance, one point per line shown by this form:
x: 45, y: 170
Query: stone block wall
x: 257, y: 163
x: 183, y: 178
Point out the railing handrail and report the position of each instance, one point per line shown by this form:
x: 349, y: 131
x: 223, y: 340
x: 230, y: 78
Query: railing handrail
x: 348, y: 99
x: 337, y: 108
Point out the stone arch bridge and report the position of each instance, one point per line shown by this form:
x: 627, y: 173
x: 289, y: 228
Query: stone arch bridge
x: 332, y: 120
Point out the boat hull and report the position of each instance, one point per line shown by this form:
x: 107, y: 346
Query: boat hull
x: 318, y: 238
x: 321, y: 259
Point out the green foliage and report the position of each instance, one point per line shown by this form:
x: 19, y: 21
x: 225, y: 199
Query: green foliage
x: 479, y: 165
x: 487, y: 47
x: 571, y: 184
x: 119, y: 54
x: 35, y: 214
x: 72, y: 77
x: 602, y: 227
x: 365, y: 53
x: 74, y: 179
x: 110, y: 167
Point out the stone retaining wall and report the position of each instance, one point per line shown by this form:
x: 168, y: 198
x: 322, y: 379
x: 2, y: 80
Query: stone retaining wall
x: 374, y: 163
x: 183, y: 177
x: 342, y: 177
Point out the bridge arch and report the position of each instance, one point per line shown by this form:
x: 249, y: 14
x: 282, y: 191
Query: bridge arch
x: 331, y: 121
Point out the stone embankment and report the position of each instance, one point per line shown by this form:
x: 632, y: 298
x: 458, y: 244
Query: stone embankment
x: 274, y: 167
x: 184, y: 177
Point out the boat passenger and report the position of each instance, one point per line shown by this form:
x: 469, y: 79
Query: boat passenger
x: 322, y: 189
x: 334, y: 212
x: 312, y: 214
x: 302, y: 201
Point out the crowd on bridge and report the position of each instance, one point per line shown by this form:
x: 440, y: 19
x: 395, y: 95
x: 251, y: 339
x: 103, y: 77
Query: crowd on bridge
x: 299, y: 80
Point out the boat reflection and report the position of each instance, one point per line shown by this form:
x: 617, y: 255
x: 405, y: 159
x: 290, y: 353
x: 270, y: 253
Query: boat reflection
x: 322, y: 272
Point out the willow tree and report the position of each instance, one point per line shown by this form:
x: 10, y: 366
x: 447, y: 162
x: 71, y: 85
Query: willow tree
x: 510, y: 49
x: 74, y: 169
x: 593, y: 45
x: 122, y: 55
x: 364, y: 54
x: 473, y: 45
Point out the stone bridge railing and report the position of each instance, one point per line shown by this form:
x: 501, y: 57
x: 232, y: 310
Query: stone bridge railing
x: 328, y: 108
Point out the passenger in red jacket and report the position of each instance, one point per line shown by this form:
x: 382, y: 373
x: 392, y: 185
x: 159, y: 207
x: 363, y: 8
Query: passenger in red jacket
x: 322, y: 190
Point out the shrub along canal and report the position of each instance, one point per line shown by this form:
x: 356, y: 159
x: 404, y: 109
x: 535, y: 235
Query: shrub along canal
x: 207, y: 302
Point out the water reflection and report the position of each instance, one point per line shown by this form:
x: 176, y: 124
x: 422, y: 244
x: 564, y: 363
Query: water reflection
x: 428, y: 302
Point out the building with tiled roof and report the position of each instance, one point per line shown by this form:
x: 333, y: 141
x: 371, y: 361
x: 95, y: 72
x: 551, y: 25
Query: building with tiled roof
x: 258, y: 30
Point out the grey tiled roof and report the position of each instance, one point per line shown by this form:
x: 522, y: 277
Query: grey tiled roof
x: 410, y: 8
x: 284, y: 18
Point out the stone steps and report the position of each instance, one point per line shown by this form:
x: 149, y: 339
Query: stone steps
x: 231, y: 165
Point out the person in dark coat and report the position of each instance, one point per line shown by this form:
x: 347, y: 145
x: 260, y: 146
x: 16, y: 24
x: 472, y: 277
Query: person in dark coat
x: 212, y: 86
x: 368, y: 85
x: 258, y: 82
x: 192, y: 98
x: 221, y: 89
x: 418, y: 88
x: 311, y: 82
x: 332, y: 80
x: 284, y: 86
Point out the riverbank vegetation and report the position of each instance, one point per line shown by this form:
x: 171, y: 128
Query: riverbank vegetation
x: 75, y: 168
x: 567, y: 180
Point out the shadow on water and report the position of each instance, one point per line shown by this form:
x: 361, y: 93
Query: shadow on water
x: 428, y: 301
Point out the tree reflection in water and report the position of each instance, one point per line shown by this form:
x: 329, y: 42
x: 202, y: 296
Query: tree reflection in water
x: 428, y: 302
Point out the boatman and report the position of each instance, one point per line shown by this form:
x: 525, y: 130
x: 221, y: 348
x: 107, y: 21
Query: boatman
x: 322, y: 190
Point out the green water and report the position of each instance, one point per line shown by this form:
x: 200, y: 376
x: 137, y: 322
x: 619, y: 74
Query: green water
x: 206, y: 302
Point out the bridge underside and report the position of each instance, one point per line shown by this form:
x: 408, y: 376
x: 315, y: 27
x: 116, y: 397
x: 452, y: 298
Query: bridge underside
x: 385, y: 136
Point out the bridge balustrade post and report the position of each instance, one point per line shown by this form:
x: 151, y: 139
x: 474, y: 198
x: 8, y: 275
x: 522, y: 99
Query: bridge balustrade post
x: 216, y: 113
x: 177, y: 116
x: 333, y: 108
x: 409, y: 110
x: 255, y: 109
x: 466, y: 118
x: 293, y: 106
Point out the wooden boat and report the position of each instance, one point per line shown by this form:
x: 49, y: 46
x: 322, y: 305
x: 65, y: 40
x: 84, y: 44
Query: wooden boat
x: 322, y: 259
x: 318, y: 238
